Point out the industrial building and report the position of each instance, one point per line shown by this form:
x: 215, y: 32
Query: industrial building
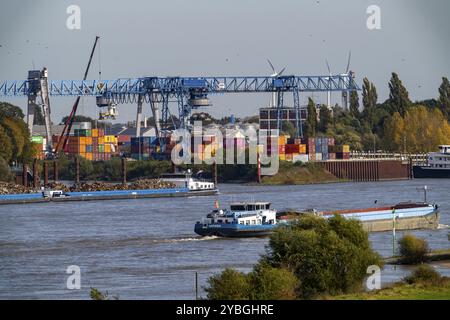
x: 268, y: 117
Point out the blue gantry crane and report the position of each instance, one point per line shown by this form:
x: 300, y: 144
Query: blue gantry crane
x: 188, y: 93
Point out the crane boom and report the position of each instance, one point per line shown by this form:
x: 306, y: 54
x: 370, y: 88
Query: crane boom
x: 68, y: 125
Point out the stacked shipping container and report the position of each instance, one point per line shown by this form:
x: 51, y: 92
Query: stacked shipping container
x: 90, y: 144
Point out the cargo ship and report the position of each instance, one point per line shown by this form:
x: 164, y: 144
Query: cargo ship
x: 243, y: 219
x: 257, y: 219
x: 406, y: 215
x: 438, y: 166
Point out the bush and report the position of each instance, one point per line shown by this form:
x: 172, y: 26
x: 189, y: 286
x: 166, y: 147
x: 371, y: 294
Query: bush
x: 268, y: 283
x: 413, y: 249
x: 424, y: 274
x: 228, y: 285
x: 327, y: 256
x: 96, y: 294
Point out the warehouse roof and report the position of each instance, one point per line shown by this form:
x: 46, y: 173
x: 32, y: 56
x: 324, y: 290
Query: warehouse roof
x: 39, y: 130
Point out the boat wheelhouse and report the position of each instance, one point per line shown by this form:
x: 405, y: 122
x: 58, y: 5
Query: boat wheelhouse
x: 243, y: 219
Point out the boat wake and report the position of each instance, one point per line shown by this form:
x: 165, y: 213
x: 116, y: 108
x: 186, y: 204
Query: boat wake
x: 188, y: 239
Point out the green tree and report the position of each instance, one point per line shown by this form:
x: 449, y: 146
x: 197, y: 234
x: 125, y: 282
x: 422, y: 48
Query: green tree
x: 444, y: 98
x: 86, y: 169
x: 354, y: 104
x: 370, y: 98
x: 326, y: 118
x: 288, y: 128
x: 327, y: 256
x: 413, y: 249
x: 228, y: 285
x: 268, y: 283
x: 38, y: 116
x: 10, y: 111
x: 311, y: 120
x: 398, y: 96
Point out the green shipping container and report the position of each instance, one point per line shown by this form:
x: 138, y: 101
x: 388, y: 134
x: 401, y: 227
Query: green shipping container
x: 37, y: 139
x: 101, y: 148
x: 83, y: 133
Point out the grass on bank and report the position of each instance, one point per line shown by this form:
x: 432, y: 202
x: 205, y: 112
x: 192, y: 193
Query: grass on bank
x: 300, y: 173
x: 424, y: 283
x: 403, y: 291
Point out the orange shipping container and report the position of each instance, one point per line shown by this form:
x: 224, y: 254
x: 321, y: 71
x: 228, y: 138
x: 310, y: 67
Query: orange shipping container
x: 88, y: 140
x: 302, y: 149
x: 89, y: 156
x: 107, y: 148
x: 82, y: 148
x: 101, y: 140
x: 95, y: 132
x: 82, y: 140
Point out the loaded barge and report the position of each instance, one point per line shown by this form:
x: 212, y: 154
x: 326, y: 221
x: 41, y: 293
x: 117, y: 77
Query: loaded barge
x: 405, y: 216
x: 185, y: 186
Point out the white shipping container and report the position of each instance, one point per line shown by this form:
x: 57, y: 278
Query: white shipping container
x: 318, y: 157
x: 300, y: 158
x: 44, y: 144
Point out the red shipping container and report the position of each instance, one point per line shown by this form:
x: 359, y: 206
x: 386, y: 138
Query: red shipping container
x: 330, y: 141
x: 123, y: 139
x: 292, y: 148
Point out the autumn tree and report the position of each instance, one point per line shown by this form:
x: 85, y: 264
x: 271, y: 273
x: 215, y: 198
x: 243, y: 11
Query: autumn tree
x: 14, y: 134
x: 421, y: 130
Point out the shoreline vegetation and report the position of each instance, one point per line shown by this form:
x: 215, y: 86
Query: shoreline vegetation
x: 312, y: 267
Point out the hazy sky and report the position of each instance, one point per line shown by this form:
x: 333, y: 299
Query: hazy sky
x: 232, y: 37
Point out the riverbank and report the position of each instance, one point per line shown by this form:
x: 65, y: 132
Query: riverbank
x: 298, y: 174
x: 435, y: 255
x: 403, y: 291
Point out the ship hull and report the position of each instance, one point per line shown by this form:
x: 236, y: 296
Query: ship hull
x: 430, y: 173
x: 233, y: 230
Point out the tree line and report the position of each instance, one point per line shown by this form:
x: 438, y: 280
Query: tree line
x: 396, y: 125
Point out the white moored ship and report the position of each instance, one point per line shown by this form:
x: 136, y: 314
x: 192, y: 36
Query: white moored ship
x: 189, y: 181
x: 438, y: 165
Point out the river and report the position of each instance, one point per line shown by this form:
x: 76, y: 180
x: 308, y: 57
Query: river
x: 146, y: 248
